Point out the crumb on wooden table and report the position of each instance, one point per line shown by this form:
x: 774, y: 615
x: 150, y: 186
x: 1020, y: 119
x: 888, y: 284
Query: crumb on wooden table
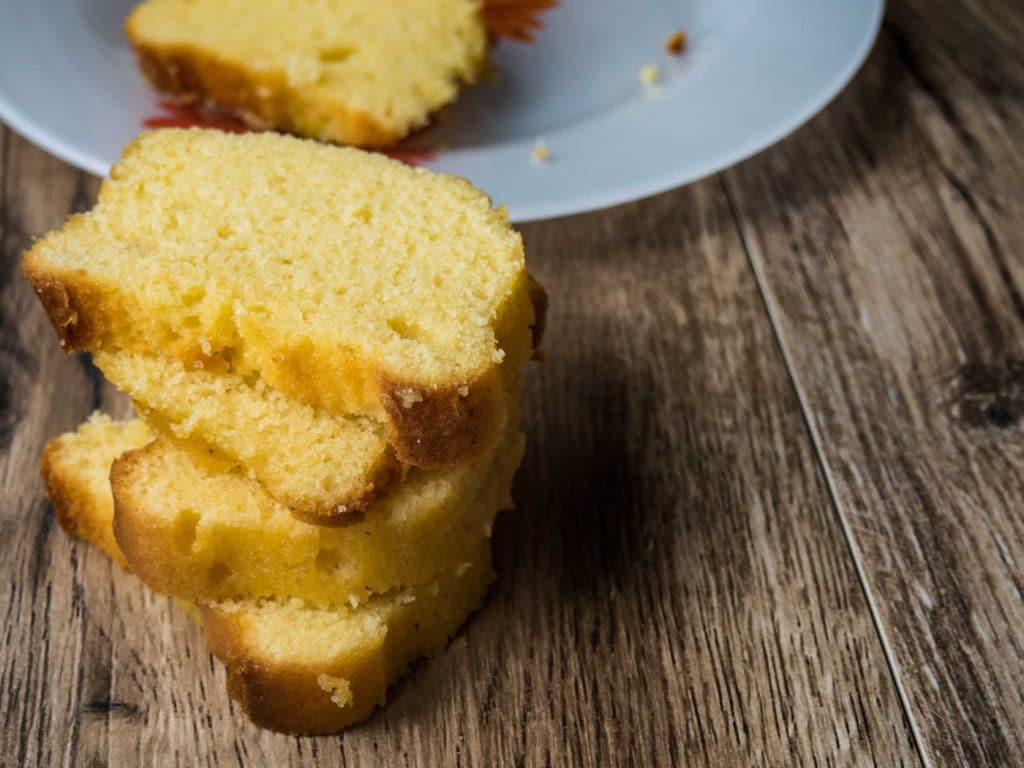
x: 676, y: 42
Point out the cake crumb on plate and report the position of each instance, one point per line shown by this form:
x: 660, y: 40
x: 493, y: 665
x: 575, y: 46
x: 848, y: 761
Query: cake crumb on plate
x: 675, y: 44
x: 540, y: 153
x: 650, y: 74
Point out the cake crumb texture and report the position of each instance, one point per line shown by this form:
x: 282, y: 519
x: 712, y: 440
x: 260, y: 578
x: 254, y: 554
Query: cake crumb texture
x: 359, y: 72
x: 291, y: 666
x: 204, y: 534
x: 324, y: 467
x: 337, y: 277
x: 75, y: 468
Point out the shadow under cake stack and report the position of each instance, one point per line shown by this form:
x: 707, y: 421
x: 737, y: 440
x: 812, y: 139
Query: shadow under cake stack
x: 324, y: 347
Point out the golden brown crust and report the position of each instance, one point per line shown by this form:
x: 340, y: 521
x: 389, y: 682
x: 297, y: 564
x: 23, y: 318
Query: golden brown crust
x: 342, y: 510
x: 429, y: 426
x: 135, y: 542
x: 260, y: 99
x: 72, y: 306
x: 293, y: 697
x: 73, y: 506
x: 440, y: 427
x: 297, y: 698
x: 447, y: 425
x: 353, y: 507
x: 290, y: 698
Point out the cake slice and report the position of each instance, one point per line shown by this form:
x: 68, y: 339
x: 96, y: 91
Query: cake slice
x: 322, y: 466
x: 291, y: 667
x: 76, y: 466
x: 198, y: 532
x: 341, y: 278
x: 306, y: 670
x: 362, y: 72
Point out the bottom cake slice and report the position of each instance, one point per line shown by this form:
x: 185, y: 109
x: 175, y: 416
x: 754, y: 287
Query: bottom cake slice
x: 307, y: 670
x: 291, y: 667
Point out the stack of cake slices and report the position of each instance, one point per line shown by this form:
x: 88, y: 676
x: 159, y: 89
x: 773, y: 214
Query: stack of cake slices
x: 324, y: 349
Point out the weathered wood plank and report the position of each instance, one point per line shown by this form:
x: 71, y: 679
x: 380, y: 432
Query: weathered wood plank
x: 887, y: 240
x: 675, y: 586
x: 49, y: 644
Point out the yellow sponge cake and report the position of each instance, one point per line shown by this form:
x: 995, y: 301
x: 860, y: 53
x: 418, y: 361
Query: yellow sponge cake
x: 201, y: 533
x: 361, y: 72
x: 76, y: 466
x: 306, y: 670
x: 324, y: 348
x: 324, y: 467
x: 290, y: 666
x: 341, y: 278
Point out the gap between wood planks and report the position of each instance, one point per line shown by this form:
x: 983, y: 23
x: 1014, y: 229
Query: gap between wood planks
x: 885, y: 241
x: 855, y: 554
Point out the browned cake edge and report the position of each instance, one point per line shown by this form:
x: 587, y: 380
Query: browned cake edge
x: 294, y: 699
x: 260, y: 99
x: 430, y: 426
x: 75, y: 308
x: 74, y: 508
x: 342, y: 509
x: 290, y: 698
x: 137, y: 538
x: 439, y: 427
x: 351, y: 508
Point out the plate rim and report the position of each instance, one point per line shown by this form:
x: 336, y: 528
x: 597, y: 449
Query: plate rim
x: 677, y: 175
x: 783, y: 128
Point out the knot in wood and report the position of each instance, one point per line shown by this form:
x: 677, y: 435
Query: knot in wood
x: 990, y: 395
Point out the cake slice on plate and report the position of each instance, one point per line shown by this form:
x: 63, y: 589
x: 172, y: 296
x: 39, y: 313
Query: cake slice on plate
x: 359, y: 72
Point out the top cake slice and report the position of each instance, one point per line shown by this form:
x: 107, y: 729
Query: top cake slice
x: 361, y: 72
x: 341, y: 278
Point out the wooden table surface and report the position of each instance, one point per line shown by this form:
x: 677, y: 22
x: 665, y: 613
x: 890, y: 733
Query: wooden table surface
x: 771, y: 512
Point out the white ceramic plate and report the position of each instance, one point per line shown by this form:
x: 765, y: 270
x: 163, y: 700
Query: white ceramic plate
x: 752, y: 72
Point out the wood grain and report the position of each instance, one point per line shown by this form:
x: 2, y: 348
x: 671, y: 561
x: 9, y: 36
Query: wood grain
x: 887, y: 239
x: 675, y: 589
